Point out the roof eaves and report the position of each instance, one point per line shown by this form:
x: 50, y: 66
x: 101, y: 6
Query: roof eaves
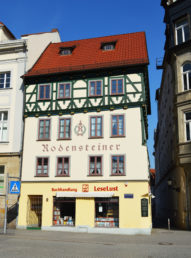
x: 42, y: 72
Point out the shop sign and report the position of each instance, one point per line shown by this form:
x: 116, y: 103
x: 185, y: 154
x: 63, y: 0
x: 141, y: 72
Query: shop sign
x: 80, y: 148
x: 85, y: 188
x: 60, y: 189
x: 105, y: 188
x: 130, y: 196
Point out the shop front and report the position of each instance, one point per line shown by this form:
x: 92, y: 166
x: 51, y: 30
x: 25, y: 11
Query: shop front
x: 114, y: 207
x: 106, y: 212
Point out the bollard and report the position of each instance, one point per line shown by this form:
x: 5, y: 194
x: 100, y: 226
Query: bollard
x: 168, y: 224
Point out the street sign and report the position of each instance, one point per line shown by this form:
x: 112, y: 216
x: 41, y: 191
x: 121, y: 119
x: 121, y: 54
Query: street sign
x: 128, y: 196
x: 14, y: 187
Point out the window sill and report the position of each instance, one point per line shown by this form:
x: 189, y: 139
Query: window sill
x: 94, y: 175
x: 96, y: 96
x: 62, y: 176
x: 41, y: 176
x: 64, y: 139
x: 117, y: 175
x: 117, y: 136
x: 41, y: 140
x: 67, y: 98
x: 44, y: 99
x: 183, y: 92
x: 117, y: 94
x: 96, y: 137
x: 4, y: 142
x: 6, y: 88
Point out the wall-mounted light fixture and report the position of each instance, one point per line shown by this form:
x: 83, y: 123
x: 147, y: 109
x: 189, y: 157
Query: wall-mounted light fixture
x: 172, y: 185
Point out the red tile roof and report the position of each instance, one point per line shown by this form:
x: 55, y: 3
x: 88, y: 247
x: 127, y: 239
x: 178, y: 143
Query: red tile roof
x: 152, y: 171
x: 130, y: 49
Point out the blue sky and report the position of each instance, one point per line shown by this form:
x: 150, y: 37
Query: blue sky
x: 78, y: 19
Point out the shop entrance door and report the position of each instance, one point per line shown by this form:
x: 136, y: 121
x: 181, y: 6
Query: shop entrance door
x: 34, y: 211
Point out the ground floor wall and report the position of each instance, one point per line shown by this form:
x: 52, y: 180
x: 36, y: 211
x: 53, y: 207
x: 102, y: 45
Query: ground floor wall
x: 9, y: 164
x: 134, y: 206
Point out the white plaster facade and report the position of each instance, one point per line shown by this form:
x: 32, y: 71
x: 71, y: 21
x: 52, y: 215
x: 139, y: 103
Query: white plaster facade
x: 79, y: 148
x: 16, y: 57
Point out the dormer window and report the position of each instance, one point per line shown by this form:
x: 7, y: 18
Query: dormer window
x: 65, y: 51
x: 108, y: 46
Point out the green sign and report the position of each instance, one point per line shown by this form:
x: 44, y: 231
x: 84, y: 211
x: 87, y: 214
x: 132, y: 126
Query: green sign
x: 1, y: 183
x: 144, y: 207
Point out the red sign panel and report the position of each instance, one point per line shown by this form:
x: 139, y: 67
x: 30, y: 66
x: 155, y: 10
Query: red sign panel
x: 85, y: 188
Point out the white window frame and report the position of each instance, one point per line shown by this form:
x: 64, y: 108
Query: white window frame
x: 187, y: 78
x: 187, y: 122
x: 5, y: 78
x: 109, y: 46
x: 182, y: 27
x: 2, y: 122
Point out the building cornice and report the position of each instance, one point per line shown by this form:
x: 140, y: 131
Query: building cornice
x: 12, y: 46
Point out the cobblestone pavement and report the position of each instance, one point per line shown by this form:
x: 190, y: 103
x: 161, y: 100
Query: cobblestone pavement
x: 37, y: 244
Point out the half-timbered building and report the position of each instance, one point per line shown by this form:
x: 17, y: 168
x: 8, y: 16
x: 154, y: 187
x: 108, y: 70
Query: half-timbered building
x: 85, y: 159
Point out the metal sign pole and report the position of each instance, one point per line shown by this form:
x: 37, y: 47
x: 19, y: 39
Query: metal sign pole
x: 6, y: 200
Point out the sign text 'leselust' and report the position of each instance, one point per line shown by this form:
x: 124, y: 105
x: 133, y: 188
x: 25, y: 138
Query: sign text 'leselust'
x: 105, y: 188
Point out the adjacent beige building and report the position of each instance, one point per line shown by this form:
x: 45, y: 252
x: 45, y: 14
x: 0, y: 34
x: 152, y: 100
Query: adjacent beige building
x: 16, y: 57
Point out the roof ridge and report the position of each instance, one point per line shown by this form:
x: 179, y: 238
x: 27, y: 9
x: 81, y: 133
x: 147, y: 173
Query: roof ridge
x: 114, y: 35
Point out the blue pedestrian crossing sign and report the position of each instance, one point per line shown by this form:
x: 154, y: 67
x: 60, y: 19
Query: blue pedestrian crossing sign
x: 15, y: 187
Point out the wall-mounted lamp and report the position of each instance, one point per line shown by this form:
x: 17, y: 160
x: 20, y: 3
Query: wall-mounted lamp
x: 172, y: 185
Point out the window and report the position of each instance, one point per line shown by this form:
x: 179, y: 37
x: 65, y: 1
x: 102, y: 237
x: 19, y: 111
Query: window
x: 116, y: 86
x: 44, y: 129
x: 42, y: 167
x: 95, y: 166
x: 107, y: 212
x: 187, y: 76
x: 64, y: 90
x: 117, y: 125
x: 65, y: 51
x: 108, y: 45
x: 95, y: 88
x: 182, y: 31
x: 3, y: 126
x: 44, y: 91
x: 95, y: 126
x: 63, y: 166
x: 188, y: 125
x: 64, y: 128
x: 118, y: 165
x: 5, y: 80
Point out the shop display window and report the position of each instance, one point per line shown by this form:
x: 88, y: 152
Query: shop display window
x: 64, y: 211
x: 107, y: 212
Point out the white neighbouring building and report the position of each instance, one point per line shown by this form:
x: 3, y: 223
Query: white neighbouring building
x: 85, y: 163
x: 16, y: 57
